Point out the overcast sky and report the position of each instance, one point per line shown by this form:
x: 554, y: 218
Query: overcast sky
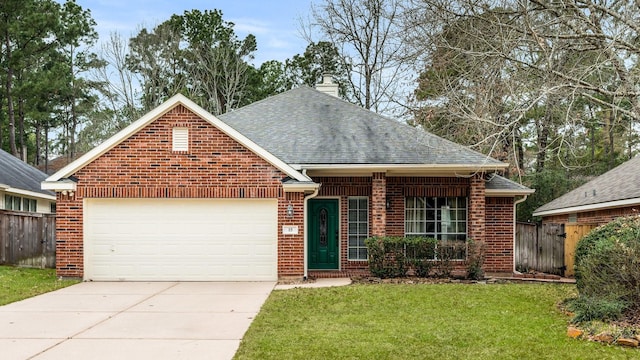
x: 273, y: 22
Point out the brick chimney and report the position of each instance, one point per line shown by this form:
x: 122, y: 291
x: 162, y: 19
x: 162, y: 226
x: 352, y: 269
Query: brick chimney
x: 328, y: 86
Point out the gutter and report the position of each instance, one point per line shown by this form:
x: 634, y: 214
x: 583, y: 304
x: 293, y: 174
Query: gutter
x: 515, y: 204
x: 589, y: 207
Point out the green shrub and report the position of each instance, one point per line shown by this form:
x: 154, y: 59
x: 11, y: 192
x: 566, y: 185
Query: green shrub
x: 475, y: 259
x: 386, y: 256
x: 588, y: 308
x: 607, y: 265
x: 420, y: 253
x: 393, y: 256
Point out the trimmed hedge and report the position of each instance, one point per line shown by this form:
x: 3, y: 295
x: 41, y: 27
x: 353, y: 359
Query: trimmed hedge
x: 392, y: 256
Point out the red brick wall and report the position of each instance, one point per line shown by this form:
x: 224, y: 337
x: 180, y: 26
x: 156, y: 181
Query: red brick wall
x: 144, y: 166
x: 378, y: 204
x: 497, y: 221
x: 476, y: 217
x: 597, y: 217
x: 499, y: 235
x: 291, y: 247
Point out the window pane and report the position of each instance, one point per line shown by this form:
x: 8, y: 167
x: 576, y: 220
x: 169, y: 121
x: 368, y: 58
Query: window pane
x: 431, y: 227
x: 362, y: 254
x: 409, y: 202
x: 431, y: 203
x: 353, y: 203
x: 358, y: 224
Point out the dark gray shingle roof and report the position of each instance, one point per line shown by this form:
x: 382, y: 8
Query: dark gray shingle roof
x: 20, y: 175
x: 619, y: 183
x: 305, y: 126
x: 497, y: 182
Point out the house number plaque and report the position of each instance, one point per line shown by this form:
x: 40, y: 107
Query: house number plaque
x: 290, y: 230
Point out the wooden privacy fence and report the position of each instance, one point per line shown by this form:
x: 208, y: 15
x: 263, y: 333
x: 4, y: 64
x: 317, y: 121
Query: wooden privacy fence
x: 27, y: 239
x: 574, y: 234
x: 540, y: 248
x: 548, y: 248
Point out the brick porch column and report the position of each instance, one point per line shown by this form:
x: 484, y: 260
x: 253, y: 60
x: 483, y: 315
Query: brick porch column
x: 378, y: 204
x: 477, y: 208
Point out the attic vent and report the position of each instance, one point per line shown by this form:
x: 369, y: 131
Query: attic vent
x: 180, y: 139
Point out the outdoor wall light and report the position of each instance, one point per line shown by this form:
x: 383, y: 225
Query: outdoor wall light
x: 388, y: 203
x: 289, y: 210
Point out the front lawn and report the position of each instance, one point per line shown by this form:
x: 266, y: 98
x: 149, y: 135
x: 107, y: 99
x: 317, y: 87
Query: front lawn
x: 21, y: 283
x: 429, y: 321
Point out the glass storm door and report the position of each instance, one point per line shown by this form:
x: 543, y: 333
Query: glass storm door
x: 323, y: 234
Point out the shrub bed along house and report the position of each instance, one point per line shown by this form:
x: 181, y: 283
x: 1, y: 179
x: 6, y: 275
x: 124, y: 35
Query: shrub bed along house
x: 391, y: 257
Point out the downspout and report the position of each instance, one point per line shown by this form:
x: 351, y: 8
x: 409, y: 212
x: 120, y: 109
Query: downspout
x: 515, y: 204
x: 306, y: 232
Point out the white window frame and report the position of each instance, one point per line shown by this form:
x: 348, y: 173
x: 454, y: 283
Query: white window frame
x: 19, y: 203
x: 427, y: 218
x: 354, y: 228
x: 180, y: 139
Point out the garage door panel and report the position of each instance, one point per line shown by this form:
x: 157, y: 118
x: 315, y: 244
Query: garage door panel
x: 181, y: 239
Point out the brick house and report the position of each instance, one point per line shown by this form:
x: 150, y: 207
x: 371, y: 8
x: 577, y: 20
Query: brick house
x: 611, y: 195
x: 289, y: 186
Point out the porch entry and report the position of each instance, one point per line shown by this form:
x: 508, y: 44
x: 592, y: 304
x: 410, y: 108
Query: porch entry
x: 323, y: 235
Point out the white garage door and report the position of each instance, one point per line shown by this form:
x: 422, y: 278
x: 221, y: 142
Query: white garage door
x: 180, y: 239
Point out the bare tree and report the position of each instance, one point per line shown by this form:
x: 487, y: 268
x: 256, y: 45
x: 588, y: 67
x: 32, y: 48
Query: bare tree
x: 120, y: 85
x: 532, y: 68
x: 366, y: 33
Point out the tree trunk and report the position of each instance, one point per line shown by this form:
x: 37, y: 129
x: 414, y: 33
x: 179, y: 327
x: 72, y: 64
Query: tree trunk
x: 9, y: 85
x: 36, y: 156
x: 543, y: 136
x: 21, y: 133
x: 46, y: 149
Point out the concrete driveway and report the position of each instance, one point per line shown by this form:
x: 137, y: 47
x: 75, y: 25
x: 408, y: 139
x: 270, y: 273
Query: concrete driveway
x: 130, y: 320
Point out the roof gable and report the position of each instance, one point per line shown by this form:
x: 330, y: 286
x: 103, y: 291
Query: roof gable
x: 617, y: 187
x: 154, y: 115
x: 17, y: 175
x: 305, y: 126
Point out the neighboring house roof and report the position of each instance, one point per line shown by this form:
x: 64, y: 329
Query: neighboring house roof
x: 55, y: 164
x: 497, y: 185
x: 618, y: 187
x: 18, y: 177
x: 305, y: 126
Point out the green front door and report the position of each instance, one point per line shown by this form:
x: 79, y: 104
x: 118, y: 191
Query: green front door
x: 323, y: 234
